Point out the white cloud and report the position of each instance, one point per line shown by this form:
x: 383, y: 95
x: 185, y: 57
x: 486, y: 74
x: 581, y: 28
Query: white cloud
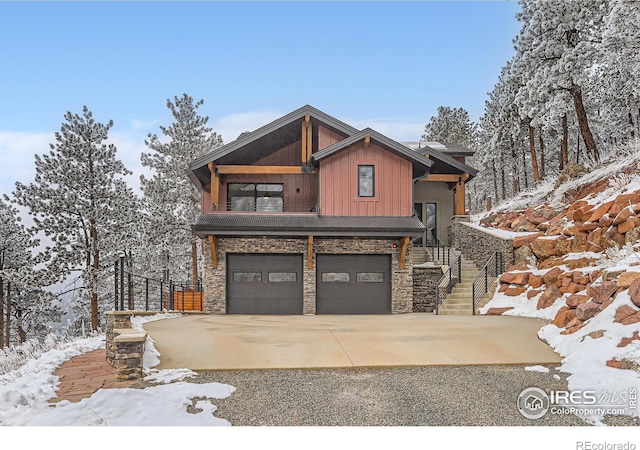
x: 17, y: 151
x: 143, y: 125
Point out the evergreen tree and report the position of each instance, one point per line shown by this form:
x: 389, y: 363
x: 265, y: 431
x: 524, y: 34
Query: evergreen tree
x: 616, y: 81
x: 557, y: 48
x: 450, y: 125
x: 81, y: 202
x: 172, y: 203
x: 25, y: 307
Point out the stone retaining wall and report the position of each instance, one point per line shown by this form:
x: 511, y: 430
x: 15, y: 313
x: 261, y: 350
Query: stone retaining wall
x: 478, y: 245
x: 425, y: 280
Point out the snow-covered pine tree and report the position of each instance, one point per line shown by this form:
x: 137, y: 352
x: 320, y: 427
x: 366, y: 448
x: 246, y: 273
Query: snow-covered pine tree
x: 25, y: 308
x: 616, y: 81
x: 81, y: 202
x: 172, y: 203
x: 558, y: 46
x: 450, y: 125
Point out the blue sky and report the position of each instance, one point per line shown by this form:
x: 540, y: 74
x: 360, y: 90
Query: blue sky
x: 388, y: 65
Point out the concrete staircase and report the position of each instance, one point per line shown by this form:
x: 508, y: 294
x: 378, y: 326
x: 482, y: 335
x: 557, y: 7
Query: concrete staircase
x: 460, y: 300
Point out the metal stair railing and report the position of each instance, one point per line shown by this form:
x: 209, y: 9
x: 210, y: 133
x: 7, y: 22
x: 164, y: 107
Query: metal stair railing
x: 489, y: 273
x: 451, y: 277
x: 438, y: 249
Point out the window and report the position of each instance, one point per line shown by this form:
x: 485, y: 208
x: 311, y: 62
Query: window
x: 366, y: 181
x: 370, y: 277
x: 264, y: 197
x: 247, y: 277
x: 336, y: 277
x: 282, y: 277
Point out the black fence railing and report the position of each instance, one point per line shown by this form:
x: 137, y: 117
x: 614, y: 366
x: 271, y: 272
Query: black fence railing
x: 138, y: 293
x: 451, y: 277
x: 436, y: 250
x: 268, y: 206
x: 489, y: 273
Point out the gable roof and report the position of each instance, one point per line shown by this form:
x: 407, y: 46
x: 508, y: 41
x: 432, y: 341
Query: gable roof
x: 421, y: 164
x: 252, y: 146
x: 256, y: 144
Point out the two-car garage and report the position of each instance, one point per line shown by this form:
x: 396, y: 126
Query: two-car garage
x: 274, y: 284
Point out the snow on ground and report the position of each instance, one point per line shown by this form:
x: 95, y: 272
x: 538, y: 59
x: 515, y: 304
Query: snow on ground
x: 25, y: 392
x: 542, y: 369
x: 586, y: 351
x: 620, y: 183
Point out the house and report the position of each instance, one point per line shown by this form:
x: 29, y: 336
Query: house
x: 309, y: 215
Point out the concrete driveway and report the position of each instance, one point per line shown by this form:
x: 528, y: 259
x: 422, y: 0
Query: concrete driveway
x: 236, y: 342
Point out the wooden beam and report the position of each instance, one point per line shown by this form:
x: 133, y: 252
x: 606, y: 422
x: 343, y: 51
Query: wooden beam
x: 213, y: 245
x: 306, y: 133
x: 215, y: 188
x: 310, y: 252
x: 309, y: 140
x: 404, y: 244
x: 459, y: 199
x: 250, y: 170
x: 445, y: 177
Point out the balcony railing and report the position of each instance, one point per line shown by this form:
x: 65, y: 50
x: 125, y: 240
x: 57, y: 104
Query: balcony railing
x: 267, y: 206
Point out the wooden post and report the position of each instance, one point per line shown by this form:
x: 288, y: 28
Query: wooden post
x: 459, y: 198
x: 404, y: 243
x: 306, y: 134
x: 310, y: 252
x: 309, y: 140
x: 215, y: 188
x: 213, y: 245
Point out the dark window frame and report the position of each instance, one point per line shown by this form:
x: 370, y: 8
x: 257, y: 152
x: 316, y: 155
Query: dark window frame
x: 360, y: 181
x: 255, y: 194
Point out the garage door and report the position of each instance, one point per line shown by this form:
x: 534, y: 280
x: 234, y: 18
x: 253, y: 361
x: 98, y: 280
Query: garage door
x: 264, y: 284
x: 353, y: 284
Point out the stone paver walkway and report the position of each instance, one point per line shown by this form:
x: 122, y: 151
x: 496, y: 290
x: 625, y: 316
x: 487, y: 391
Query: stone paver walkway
x: 83, y: 375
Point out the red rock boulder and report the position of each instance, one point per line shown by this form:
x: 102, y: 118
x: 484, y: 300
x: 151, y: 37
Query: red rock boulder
x: 586, y: 311
x: 548, y: 298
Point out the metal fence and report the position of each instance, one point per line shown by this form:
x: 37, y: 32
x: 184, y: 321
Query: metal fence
x: 489, y: 273
x: 138, y: 293
x: 451, y: 277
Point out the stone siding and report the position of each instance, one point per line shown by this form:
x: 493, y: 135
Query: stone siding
x: 215, y: 279
x: 478, y: 245
x: 425, y: 281
x: 125, y: 345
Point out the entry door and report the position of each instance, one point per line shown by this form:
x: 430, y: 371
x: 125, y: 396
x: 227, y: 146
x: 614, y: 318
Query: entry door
x: 264, y: 284
x: 431, y: 222
x: 417, y: 210
x: 353, y: 284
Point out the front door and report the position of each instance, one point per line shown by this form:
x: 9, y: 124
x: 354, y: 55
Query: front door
x: 428, y: 215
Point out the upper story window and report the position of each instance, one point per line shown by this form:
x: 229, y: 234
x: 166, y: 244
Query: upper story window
x: 252, y: 197
x: 366, y: 181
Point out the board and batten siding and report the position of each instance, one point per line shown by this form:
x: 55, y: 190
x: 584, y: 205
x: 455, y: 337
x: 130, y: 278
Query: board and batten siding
x: 339, y: 183
x: 327, y: 137
x: 291, y: 155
